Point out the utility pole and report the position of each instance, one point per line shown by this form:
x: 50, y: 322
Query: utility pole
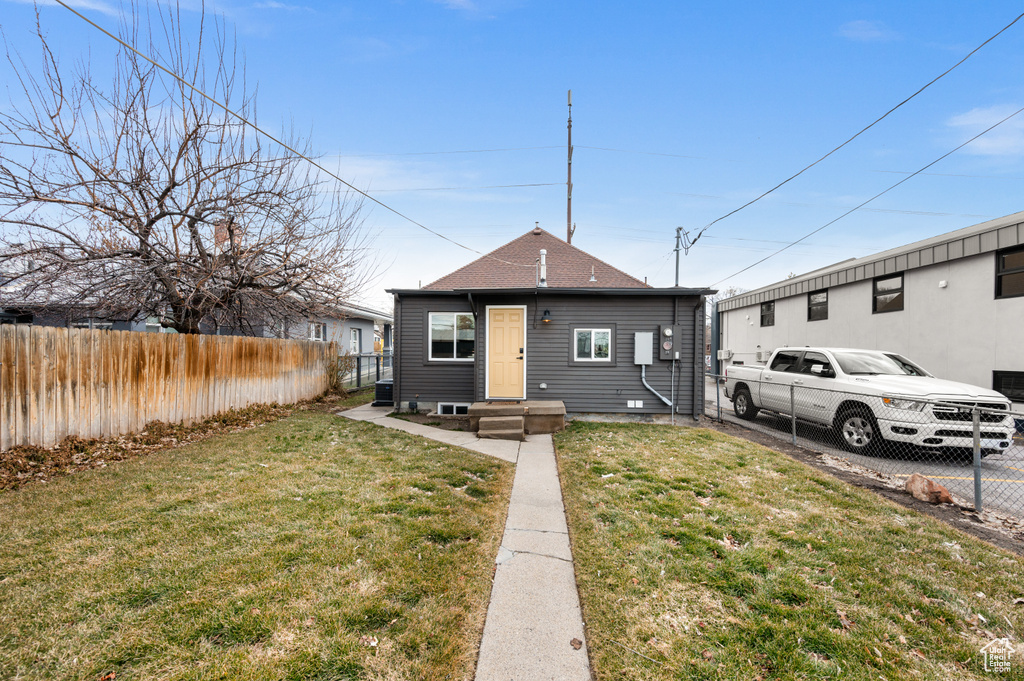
x: 569, y: 229
x: 679, y: 245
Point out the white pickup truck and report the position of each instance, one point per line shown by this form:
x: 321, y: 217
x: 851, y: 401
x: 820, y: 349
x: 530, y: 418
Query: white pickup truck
x: 869, y: 397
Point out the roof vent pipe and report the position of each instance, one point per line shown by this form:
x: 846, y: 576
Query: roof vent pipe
x: 543, y: 269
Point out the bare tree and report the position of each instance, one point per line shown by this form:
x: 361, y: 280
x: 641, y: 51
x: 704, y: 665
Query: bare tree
x: 145, y: 199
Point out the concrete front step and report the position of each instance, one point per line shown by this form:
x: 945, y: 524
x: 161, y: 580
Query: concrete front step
x: 540, y: 416
x: 488, y: 423
x: 510, y: 434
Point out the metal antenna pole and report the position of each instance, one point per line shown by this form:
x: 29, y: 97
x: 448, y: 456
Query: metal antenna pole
x: 568, y: 217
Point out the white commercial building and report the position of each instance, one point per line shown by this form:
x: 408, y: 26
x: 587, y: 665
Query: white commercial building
x: 953, y: 303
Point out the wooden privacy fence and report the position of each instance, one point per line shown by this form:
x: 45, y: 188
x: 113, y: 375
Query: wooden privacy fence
x: 56, y: 382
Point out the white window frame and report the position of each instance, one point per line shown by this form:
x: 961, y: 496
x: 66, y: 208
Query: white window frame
x: 355, y: 340
x: 455, y: 341
x: 317, y: 331
x: 455, y: 406
x: 593, y: 331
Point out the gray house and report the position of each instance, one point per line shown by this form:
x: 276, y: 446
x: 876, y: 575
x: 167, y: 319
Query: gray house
x: 539, y: 319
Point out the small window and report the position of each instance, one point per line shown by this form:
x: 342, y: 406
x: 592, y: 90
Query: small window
x: 452, y: 409
x: 355, y: 344
x: 1010, y: 384
x: 593, y: 345
x: 317, y: 331
x: 768, y: 313
x: 452, y: 336
x: 888, y: 294
x: 785, y: 360
x: 1010, y: 273
x: 817, y: 306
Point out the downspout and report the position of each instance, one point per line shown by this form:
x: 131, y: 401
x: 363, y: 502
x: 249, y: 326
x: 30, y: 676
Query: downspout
x: 698, y: 358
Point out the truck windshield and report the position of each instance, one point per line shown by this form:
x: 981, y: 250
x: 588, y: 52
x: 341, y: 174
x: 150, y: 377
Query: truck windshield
x: 875, y: 363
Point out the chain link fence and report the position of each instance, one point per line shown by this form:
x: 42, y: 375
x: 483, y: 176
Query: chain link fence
x: 973, y: 447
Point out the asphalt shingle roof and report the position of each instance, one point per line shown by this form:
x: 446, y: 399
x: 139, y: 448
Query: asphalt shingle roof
x: 514, y: 265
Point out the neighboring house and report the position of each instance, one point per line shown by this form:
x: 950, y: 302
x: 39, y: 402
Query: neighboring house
x: 953, y: 303
x: 511, y: 326
x: 354, y: 328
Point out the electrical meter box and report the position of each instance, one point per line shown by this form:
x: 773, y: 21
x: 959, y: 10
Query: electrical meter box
x: 643, y: 344
x: 670, y: 342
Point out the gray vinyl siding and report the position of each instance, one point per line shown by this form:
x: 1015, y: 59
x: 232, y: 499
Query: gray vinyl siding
x: 416, y: 375
x: 598, y: 387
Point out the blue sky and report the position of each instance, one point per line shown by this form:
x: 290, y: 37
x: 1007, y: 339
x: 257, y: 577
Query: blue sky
x: 682, y: 112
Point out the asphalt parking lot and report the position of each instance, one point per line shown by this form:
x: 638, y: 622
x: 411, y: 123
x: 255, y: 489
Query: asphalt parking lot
x: 1002, y: 474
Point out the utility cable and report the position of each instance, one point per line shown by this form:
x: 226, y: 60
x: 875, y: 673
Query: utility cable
x: 439, y: 153
x: 881, y: 193
x: 274, y: 139
x: 861, y: 132
x: 455, y: 189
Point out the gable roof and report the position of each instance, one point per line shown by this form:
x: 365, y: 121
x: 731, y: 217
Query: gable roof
x: 514, y: 265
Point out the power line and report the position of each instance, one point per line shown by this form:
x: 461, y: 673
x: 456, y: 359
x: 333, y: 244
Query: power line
x: 925, y: 213
x: 861, y: 132
x: 648, y: 153
x: 881, y: 193
x: 452, y: 189
x: 266, y: 134
x: 439, y: 153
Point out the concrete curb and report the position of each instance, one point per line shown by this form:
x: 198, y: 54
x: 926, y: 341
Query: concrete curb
x: 534, y: 614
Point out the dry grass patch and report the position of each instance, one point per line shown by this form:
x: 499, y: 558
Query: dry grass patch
x: 308, y: 548
x: 701, y: 556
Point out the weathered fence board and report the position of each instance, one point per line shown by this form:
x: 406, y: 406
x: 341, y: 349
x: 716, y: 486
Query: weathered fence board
x: 57, y: 382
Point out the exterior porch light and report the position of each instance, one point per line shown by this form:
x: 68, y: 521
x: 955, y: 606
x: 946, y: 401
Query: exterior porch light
x: 547, y: 317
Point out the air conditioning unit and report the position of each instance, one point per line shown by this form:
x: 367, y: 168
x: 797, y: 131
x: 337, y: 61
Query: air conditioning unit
x: 725, y: 354
x: 384, y: 393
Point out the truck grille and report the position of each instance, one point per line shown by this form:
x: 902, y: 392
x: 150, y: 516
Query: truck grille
x: 961, y: 411
x: 987, y: 435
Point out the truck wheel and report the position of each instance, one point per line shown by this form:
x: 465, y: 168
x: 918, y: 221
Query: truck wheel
x: 743, y: 405
x: 858, y: 431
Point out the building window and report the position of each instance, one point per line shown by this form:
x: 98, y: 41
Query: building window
x: 593, y: 345
x: 817, y: 306
x: 1010, y: 384
x: 1010, y: 273
x: 355, y: 341
x: 768, y: 313
x: 888, y: 294
x: 317, y: 331
x: 452, y: 336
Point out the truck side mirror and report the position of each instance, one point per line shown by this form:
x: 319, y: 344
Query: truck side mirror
x: 822, y: 370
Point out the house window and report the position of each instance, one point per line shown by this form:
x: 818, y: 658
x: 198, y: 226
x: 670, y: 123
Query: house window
x: 355, y: 345
x: 1010, y: 384
x: 592, y: 345
x: 1010, y: 273
x: 817, y: 306
x: 317, y: 331
x: 452, y: 336
x: 768, y: 313
x: 888, y: 294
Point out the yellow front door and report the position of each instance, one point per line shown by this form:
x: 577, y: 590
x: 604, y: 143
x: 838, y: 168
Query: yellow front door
x: 506, y: 352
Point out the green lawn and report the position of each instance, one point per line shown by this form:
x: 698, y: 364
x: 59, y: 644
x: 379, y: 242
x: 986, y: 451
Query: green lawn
x: 701, y: 556
x: 309, y: 548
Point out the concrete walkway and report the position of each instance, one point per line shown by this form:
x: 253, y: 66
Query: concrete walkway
x: 534, y: 614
